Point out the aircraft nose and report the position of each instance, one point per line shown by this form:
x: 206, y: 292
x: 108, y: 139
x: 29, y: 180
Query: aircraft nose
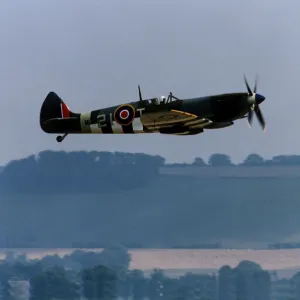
x: 259, y: 98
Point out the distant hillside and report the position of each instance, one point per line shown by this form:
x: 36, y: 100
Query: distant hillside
x: 79, y: 172
x: 86, y: 172
x: 82, y: 199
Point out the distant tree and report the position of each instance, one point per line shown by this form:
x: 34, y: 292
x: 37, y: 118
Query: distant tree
x: 138, y: 283
x: 226, y: 283
x: 61, y: 172
x: 218, y: 159
x: 124, y: 288
x: 52, y: 260
x: 26, y: 271
x: 286, y: 159
x: 156, y: 284
x: 116, y: 258
x: 86, y: 259
x: 199, y: 162
x: 295, y: 281
x: 181, y: 293
x: 53, y: 284
x: 16, y: 270
x: 99, y: 283
x: 248, y: 265
x: 252, y: 281
x: 197, y: 286
x: 253, y: 160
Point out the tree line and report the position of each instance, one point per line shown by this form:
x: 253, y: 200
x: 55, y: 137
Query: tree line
x: 79, y: 172
x: 106, y: 275
x: 253, y: 159
x: 103, y: 275
x: 84, y: 172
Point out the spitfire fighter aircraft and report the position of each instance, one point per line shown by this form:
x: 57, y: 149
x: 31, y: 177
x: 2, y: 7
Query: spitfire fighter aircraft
x: 156, y: 115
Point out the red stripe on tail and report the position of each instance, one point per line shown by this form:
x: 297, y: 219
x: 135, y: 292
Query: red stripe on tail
x: 65, y: 112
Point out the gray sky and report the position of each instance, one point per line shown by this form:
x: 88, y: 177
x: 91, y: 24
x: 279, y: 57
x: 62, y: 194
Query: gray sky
x: 94, y: 53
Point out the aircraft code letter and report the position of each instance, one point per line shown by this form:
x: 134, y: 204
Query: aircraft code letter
x: 101, y: 120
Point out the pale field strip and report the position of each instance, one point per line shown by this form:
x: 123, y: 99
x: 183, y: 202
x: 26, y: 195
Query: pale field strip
x: 147, y: 259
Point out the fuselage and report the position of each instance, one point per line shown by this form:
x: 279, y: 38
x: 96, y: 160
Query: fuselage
x: 218, y: 108
x: 221, y: 109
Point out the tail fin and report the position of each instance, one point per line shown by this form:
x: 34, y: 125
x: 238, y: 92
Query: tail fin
x: 55, y: 114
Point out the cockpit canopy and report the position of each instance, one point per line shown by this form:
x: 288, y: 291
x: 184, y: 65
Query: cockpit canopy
x: 162, y: 99
x: 159, y: 100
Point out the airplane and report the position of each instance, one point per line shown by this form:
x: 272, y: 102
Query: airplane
x: 171, y: 116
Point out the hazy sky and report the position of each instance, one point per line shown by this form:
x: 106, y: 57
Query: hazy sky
x: 94, y: 54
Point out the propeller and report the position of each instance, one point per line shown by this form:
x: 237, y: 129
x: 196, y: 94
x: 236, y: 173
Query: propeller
x: 254, y: 100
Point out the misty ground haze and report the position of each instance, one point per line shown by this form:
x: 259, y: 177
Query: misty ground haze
x: 88, y: 198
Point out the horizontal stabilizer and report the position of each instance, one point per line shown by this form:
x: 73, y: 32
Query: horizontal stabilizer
x: 62, y: 125
x: 55, y: 120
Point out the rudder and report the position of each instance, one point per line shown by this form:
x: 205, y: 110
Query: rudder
x: 53, y: 107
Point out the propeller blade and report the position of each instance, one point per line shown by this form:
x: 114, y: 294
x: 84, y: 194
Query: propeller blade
x: 255, y: 84
x: 140, y: 93
x: 247, y: 85
x: 260, y: 117
x: 250, y: 117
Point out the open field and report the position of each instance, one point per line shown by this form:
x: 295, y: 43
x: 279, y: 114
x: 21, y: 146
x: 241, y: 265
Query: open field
x: 281, y: 171
x: 172, y: 211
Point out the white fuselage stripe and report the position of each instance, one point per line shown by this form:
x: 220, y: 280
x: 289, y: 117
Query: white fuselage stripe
x: 138, y: 126
x: 116, y: 128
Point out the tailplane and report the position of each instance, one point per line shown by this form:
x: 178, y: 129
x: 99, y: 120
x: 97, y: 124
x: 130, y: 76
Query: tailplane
x: 56, y: 117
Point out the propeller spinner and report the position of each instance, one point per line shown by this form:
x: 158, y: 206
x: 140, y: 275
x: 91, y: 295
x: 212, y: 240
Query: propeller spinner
x: 254, y: 100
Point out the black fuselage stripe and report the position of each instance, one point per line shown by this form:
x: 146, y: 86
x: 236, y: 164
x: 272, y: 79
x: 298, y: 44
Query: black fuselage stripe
x: 128, y: 128
x: 107, y: 129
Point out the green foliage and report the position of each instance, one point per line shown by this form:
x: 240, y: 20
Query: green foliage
x: 116, y: 258
x: 199, y: 162
x: 254, y: 160
x: 47, y: 282
x: 53, y: 284
x: 156, y: 284
x: 79, y: 172
x: 99, y: 283
x: 138, y: 284
x: 82, y: 172
x: 219, y: 160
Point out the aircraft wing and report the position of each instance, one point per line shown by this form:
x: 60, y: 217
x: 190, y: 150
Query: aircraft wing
x: 170, y: 118
x: 162, y: 118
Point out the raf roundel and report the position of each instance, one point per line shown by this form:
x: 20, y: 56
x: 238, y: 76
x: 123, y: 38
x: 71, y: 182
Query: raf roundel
x: 124, y: 114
